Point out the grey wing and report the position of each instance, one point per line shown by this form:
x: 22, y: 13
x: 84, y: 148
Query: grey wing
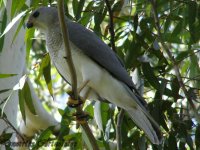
x: 98, y: 51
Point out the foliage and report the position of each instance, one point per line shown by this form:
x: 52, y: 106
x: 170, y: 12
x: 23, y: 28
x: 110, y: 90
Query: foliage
x: 137, y: 44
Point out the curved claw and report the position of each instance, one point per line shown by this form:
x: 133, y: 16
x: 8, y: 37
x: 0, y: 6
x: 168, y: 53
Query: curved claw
x: 74, y: 103
x: 81, y: 118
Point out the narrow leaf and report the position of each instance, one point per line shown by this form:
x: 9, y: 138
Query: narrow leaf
x: 43, y: 138
x: 47, y: 75
x: 5, y: 137
x: 80, y: 9
x: 12, y: 23
x: 21, y: 83
x: 21, y: 105
x: 7, y: 75
x: 45, y: 69
x: 28, y: 98
x: 18, y: 28
x: 29, y: 34
x: 150, y: 76
x: 3, y: 26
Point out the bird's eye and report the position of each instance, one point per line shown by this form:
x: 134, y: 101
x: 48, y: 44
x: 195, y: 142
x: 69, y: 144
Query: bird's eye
x: 36, y: 14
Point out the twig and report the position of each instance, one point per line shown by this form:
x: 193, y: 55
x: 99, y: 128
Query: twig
x: 11, y: 126
x: 69, y: 60
x: 176, y: 69
x: 118, y: 129
x: 73, y: 76
x: 111, y: 26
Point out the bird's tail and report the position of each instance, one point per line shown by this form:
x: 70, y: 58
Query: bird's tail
x: 148, y: 125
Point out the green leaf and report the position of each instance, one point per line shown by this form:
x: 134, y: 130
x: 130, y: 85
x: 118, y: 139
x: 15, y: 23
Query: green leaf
x: 192, y: 14
x: 172, y: 142
x: 43, y: 138
x: 45, y: 69
x: 28, y: 98
x: 75, y: 6
x: 47, y: 75
x: 167, y: 24
x: 197, y: 137
x: 64, y: 130
x: 5, y: 137
x: 104, y: 114
x: 150, y: 76
x: 177, y: 29
x: 19, y: 28
x: 12, y: 23
x: 21, y: 104
x: 7, y: 75
x: 85, y: 19
x: 29, y: 34
x: 194, y: 69
x: 171, y: 39
x: 3, y: 26
x: 80, y: 9
x: 101, y: 114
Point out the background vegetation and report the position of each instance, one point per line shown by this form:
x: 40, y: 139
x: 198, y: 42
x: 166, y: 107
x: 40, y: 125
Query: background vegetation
x: 160, y: 39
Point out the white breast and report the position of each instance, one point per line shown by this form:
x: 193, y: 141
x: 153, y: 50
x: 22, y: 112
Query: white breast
x: 100, y: 81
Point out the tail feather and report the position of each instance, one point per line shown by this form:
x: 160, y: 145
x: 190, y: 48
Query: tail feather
x: 150, y: 128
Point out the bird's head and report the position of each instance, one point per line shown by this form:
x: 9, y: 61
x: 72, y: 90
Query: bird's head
x: 42, y: 18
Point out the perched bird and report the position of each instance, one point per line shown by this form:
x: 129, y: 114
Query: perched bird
x: 96, y: 64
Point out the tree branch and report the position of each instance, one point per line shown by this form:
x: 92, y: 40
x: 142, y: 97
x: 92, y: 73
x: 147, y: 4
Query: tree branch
x: 73, y: 76
x: 11, y: 126
x: 176, y: 69
x: 118, y: 129
x: 111, y: 26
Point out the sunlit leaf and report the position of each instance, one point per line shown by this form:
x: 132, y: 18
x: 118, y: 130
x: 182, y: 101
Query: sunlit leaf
x: 28, y: 98
x: 79, y: 9
x: 21, y: 104
x: 43, y: 138
x: 29, y: 34
x: 12, y: 23
x: 21, y: 83
x: 19, y: 28
x: 3, y: 26
x: 45, y: 69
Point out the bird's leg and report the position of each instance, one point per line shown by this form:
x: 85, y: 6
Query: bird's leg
x: 81, y: 118
x: 75, y: 103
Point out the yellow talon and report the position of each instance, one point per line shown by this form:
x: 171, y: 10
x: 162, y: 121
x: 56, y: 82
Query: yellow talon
x: 72, y: 101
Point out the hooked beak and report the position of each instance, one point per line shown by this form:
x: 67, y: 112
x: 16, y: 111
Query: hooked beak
x: 29, y: 24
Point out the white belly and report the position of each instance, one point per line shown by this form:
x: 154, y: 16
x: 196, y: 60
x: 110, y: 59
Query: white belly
x: 100, y: 81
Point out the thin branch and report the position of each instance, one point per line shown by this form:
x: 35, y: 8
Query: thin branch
x: 176, y: 69
x: 69, y: 60
x: 73, y: 76
x: 118, y: 129
x: 111, y: 26
x: 11, y: 126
